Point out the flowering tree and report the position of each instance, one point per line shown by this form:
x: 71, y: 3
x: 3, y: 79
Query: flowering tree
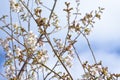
x: 28, y: 51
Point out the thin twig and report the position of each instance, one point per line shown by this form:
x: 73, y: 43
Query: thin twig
x: 43, y: 73
x: 55, y: 1
x: 45, y: 7
x: 79, y: 58
x: 29, y: 18
x: 68, y: 30
x: 90, y: 47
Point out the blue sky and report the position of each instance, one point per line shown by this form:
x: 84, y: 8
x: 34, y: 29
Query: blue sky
x: 105, y: 35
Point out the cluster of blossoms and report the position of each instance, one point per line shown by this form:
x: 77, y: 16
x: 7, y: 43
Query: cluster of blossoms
x: 59, y: 44
x: 9, y: 53
x: 70, y: 56
x: 67, y: 59
x: 98, y: 72
x: 31, y: 41
x: 41, y: 57
x: 55, y: 21
x: 16, y: 6
x: 5, y: 44
x: 18, y: 51
x: 10, y: 69
x: 31, y: 44
x: 18, y: 29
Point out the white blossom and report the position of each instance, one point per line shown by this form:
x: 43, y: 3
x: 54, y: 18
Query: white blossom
x: 4, y: 44
x: 18, y: 51
x: 30, y: 41
x: 10, y: 71
x: 59, y: 43
x: 12, y: 68
x: 9, y: 54
x: 15, y: 26
x: 68, y: 60
x: 44, y: 56
x: 86, y: 75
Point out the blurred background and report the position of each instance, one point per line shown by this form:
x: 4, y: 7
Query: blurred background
x: 104, y: 38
